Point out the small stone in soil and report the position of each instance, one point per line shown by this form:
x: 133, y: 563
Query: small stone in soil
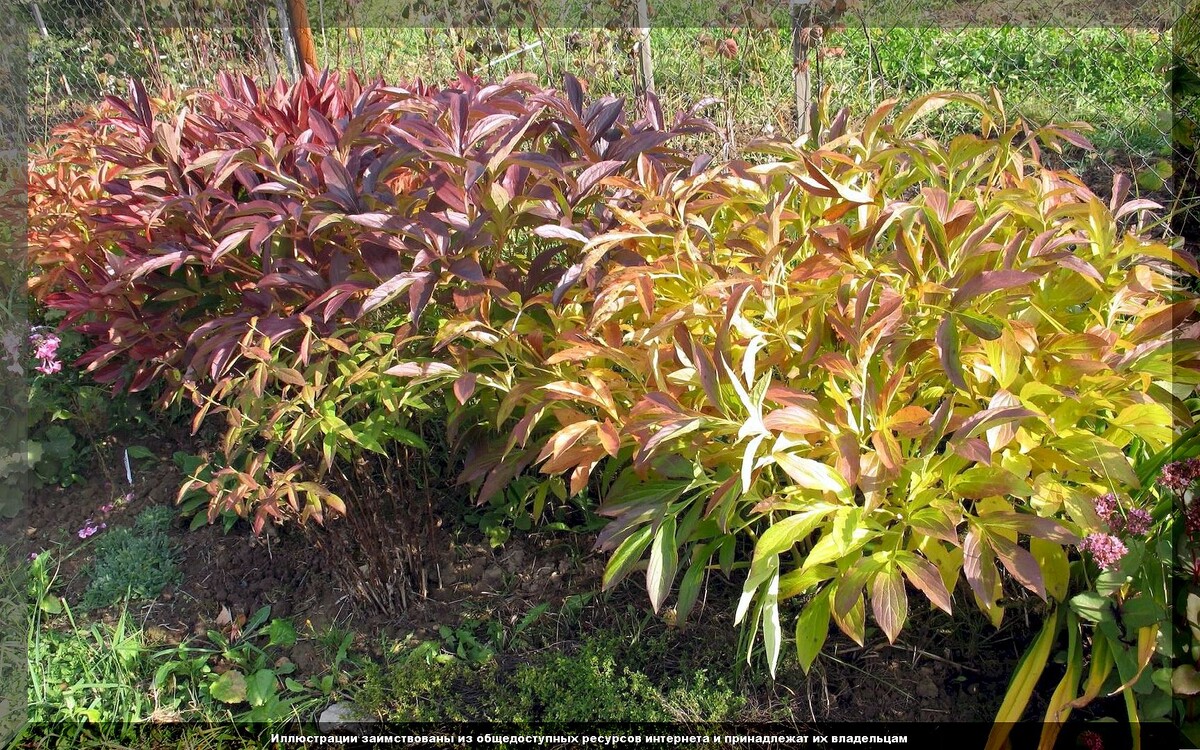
x: 927, y: 688
x: 338, y: 713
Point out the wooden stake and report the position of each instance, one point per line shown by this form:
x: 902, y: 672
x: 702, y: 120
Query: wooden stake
x: 647, y: 60
x: 289, y: 41
x: 298, y: 10
x: 801, y: 19
x: 268, y: 44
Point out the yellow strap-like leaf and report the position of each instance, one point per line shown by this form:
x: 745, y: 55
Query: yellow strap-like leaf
x: 1102, y: 664
x: 1023, y: 681
x: 1064, y: 695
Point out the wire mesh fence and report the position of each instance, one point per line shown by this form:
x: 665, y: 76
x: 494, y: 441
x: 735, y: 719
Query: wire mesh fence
x: 80, y: 50
x: 1115, y: 65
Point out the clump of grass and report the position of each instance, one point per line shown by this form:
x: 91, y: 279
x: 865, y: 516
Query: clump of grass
x: 589, y: 685
x: 154, y: 520
x: 416, y: 690
x: 138, y: 562
x: 88, y: 674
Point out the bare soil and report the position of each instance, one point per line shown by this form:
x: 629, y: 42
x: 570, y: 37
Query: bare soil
x: 942, y: 669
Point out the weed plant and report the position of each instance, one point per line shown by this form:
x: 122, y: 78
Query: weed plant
x: 136, y: 562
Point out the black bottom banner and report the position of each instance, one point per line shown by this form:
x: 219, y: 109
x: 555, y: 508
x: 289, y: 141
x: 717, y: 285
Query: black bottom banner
x: 366, y: 735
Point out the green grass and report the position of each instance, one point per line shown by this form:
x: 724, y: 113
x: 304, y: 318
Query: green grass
x: 80, y: 673
x: 89, y: 673
x: 13, y: 666
x: 1111, y: 78
x: 97, y: 682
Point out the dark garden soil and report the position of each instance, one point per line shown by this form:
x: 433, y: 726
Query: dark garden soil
x: 941, y: 669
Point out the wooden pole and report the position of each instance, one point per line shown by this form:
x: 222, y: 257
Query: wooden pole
x: 643, y: 35
x: 268, y: 45
x: 289, y: 41
x: 298, y: 10
x: 37, y: 19
x: 801, y: 20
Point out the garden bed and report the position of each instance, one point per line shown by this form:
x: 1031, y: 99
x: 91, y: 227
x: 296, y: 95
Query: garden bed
x: 943, y: 669
x: 469, y: 363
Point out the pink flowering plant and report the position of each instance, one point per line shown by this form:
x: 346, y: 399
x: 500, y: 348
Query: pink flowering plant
x: 68, y: 412
x: 90, y: 528
x: 97, y: 523
x: 45, y: 350
x: 1141, y: 539
x: 1179, y: 481
x: 57, y: 409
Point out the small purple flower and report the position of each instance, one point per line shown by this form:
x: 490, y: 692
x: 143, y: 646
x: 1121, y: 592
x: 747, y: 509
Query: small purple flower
x: 1180, y: 475
x: 1116, y: 523
x: 90, y: 529
x: 33, y: 556
x: 1138, y: 522
x: 106, y: 508
x: 1106, y: 505
x: 1105, y: 549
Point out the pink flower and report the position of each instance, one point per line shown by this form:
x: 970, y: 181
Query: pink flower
x: 1138, y: 522
x: 1106, y: 505
x: 1178, y: 476
x: 90, y: 529
x: 1105, y: 549
x: 106, y: 508
x: 47, y: 348
x: 46, y: 351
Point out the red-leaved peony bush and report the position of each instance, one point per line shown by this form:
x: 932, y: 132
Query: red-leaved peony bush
x: 268, y: 251
x: 175, y: 232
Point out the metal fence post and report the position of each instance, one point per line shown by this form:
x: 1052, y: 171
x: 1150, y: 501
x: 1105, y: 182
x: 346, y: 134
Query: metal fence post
x: 45, y: 34
x: 37, y: 19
